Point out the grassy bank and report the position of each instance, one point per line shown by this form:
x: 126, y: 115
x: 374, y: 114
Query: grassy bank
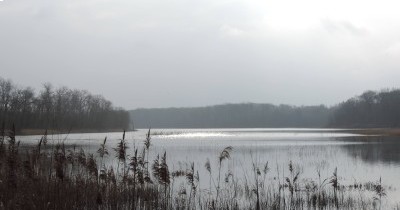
x: 378, y: 131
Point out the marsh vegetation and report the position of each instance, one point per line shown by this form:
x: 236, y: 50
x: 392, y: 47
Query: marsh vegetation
x: 53, y: 175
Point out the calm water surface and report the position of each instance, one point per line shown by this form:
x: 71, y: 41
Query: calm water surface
x: 358, y: 158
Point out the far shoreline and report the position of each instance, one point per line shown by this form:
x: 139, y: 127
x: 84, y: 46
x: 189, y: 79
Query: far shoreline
x: 34, y: 132
x: 360, y: 131
x: 378, y: 131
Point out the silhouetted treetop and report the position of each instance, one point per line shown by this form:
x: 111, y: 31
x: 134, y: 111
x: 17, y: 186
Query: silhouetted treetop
x: 58, y: 108
x: 370, y: 109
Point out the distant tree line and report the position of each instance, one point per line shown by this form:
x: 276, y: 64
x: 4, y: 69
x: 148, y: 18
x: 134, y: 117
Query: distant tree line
x: 248, y: 115
x: 370, y: 109
x: 57, y: 108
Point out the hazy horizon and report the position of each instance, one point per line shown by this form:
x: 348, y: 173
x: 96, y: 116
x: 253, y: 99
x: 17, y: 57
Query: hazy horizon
x: 201, y: 105
x: 189, y: 54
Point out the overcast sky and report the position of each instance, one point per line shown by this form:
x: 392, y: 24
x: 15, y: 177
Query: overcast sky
x: 163, y: 53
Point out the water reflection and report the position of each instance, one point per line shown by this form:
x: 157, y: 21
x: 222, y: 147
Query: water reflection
x: 374, y: 150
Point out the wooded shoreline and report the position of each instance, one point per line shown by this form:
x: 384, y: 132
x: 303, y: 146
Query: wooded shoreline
x: 28, y: 132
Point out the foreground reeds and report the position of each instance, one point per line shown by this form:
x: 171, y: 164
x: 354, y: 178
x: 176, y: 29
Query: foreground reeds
x: 57, y: 177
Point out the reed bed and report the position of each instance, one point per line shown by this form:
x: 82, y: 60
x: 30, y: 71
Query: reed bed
x: 52, y: 176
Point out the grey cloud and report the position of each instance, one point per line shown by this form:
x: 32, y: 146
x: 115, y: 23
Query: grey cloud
x: 186, y: 53
x: 343, y: 26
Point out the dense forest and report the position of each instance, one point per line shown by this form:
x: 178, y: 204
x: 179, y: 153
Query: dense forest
x: 57, y: 108
x: 247, y: 115
x: 370, y: 109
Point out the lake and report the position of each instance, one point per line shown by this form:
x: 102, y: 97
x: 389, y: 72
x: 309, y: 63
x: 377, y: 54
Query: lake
x: 358, y: 158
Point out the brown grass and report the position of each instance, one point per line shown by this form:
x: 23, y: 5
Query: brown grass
x: 378, y: 131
